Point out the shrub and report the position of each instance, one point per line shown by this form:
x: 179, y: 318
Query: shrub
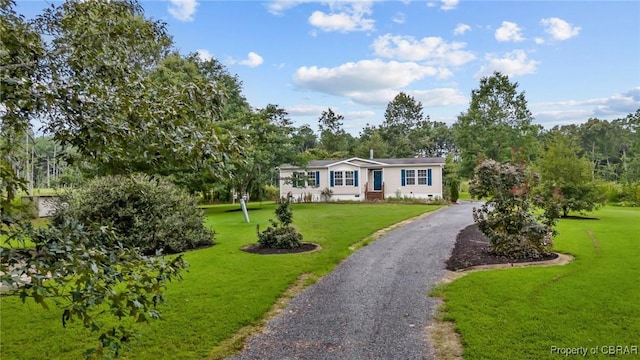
x: 151, y: 214
x: 326, y: 194
x: 453, y: 190
x: 622, y: 194
x: 280, y: 235
x: 272, y: 192
x: 507, y: 218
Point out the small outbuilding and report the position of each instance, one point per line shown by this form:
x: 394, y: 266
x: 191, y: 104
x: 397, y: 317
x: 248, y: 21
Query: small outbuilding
x: 41, y: 205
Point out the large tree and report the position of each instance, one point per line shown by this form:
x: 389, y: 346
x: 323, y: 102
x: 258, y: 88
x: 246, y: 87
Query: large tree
x: 304, y: 138
x: 21, y: 50
x: 268, y: 134
x: 565, y: 176
x: 117, y: 95
x: 405, y: 129
x: 497, y: 124
x: 371, y: 140
x: 94, y: 83
x: 333, y: 138
x: 202, y: 172
x: 612, y: 147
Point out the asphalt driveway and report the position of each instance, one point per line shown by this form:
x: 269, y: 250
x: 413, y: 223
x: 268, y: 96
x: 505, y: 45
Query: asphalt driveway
x: 374, y: 305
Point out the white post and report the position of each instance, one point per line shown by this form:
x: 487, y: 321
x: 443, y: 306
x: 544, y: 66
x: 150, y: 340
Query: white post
x: 244, y: 208
x: 48, y: 174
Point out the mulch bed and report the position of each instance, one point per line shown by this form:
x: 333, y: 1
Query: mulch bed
x: 472, y: 248
x: 257, y: 249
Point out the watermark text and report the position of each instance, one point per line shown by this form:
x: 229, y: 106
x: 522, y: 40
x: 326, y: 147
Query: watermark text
x: 584, y: 351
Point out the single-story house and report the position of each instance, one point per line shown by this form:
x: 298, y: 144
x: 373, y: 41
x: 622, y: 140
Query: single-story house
x: 363, y: 179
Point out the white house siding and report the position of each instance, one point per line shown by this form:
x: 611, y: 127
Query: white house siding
x: 347, y: 192
x: 286, y: 186
x: 392, y: 178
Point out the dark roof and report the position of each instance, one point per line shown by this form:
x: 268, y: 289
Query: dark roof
x: 394, y: 161
x: 412, y: 161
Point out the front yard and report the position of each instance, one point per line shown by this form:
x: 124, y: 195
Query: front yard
x: 547, y: 312
x: 224, y: 290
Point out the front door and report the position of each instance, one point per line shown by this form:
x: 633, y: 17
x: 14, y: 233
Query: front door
x: 377, y: 180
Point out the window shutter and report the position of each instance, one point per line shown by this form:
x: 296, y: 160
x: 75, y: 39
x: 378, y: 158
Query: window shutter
x: 355, y: 178
x: 317, y: 178
x: 294, y: 179
x: 429, y: 177
x: 331, y: 178
x: 403, y: 180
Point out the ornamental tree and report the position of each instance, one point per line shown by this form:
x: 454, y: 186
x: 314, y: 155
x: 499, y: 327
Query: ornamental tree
x: 507, y: 217
x: 281, y: 234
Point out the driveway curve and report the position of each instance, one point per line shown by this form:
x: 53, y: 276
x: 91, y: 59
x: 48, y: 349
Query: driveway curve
x: 375, y: 304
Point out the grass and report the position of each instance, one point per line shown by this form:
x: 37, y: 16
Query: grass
x: 521, y: 313
x: 225, y: 290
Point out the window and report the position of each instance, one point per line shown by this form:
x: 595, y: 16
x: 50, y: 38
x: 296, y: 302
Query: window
x: 297, y: 179
x: 343, y: 178
x: 422, y: 177
x: 337, y: 178
x: 311, y: 179
x: 410, y: 177
x: 416, y: 177
x: 348, y: 178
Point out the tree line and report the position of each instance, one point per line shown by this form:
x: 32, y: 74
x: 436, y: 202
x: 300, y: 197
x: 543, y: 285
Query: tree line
x: 116, y: 97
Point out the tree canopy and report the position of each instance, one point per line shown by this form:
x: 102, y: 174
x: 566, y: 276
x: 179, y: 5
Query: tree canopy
x: 566, y: 177
x: 117, y: 94
x: 496, y: 124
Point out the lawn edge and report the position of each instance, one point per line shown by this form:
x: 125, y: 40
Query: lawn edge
x: 443, y: 338
x: 236, y: 343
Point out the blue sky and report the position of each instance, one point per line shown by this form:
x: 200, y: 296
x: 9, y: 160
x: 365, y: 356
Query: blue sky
x: 573, y: 59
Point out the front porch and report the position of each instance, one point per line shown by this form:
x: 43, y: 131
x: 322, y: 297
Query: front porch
x: 374, y: 190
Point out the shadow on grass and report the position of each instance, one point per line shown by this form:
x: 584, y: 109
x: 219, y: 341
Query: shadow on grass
x: 578, y: 217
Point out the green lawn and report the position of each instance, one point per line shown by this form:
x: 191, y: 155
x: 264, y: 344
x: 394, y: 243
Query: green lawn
x: 593, y: 302
x: 224, y: 290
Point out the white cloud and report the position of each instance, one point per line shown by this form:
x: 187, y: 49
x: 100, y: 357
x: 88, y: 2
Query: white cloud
x: 432, y: 49
x: 509, y: 31
x: 429, y: 98
x: 449, y: 4
x: 399, y: 18
x: 305, y: 110
x: 373, y: 83
x: 204, y: 55
x: 577, y: 111
x: 182, y: 10
x: 365, y: 75
x: 364, y: 114
x: 279, y: 7
x: 252, y: 60
x: 378, y: 98
x: 461, y: 29
x: 344, y: 17
x: 514, y: 63
x: 439, y: 97
x: 539, y: 40
x: 559, y: 29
